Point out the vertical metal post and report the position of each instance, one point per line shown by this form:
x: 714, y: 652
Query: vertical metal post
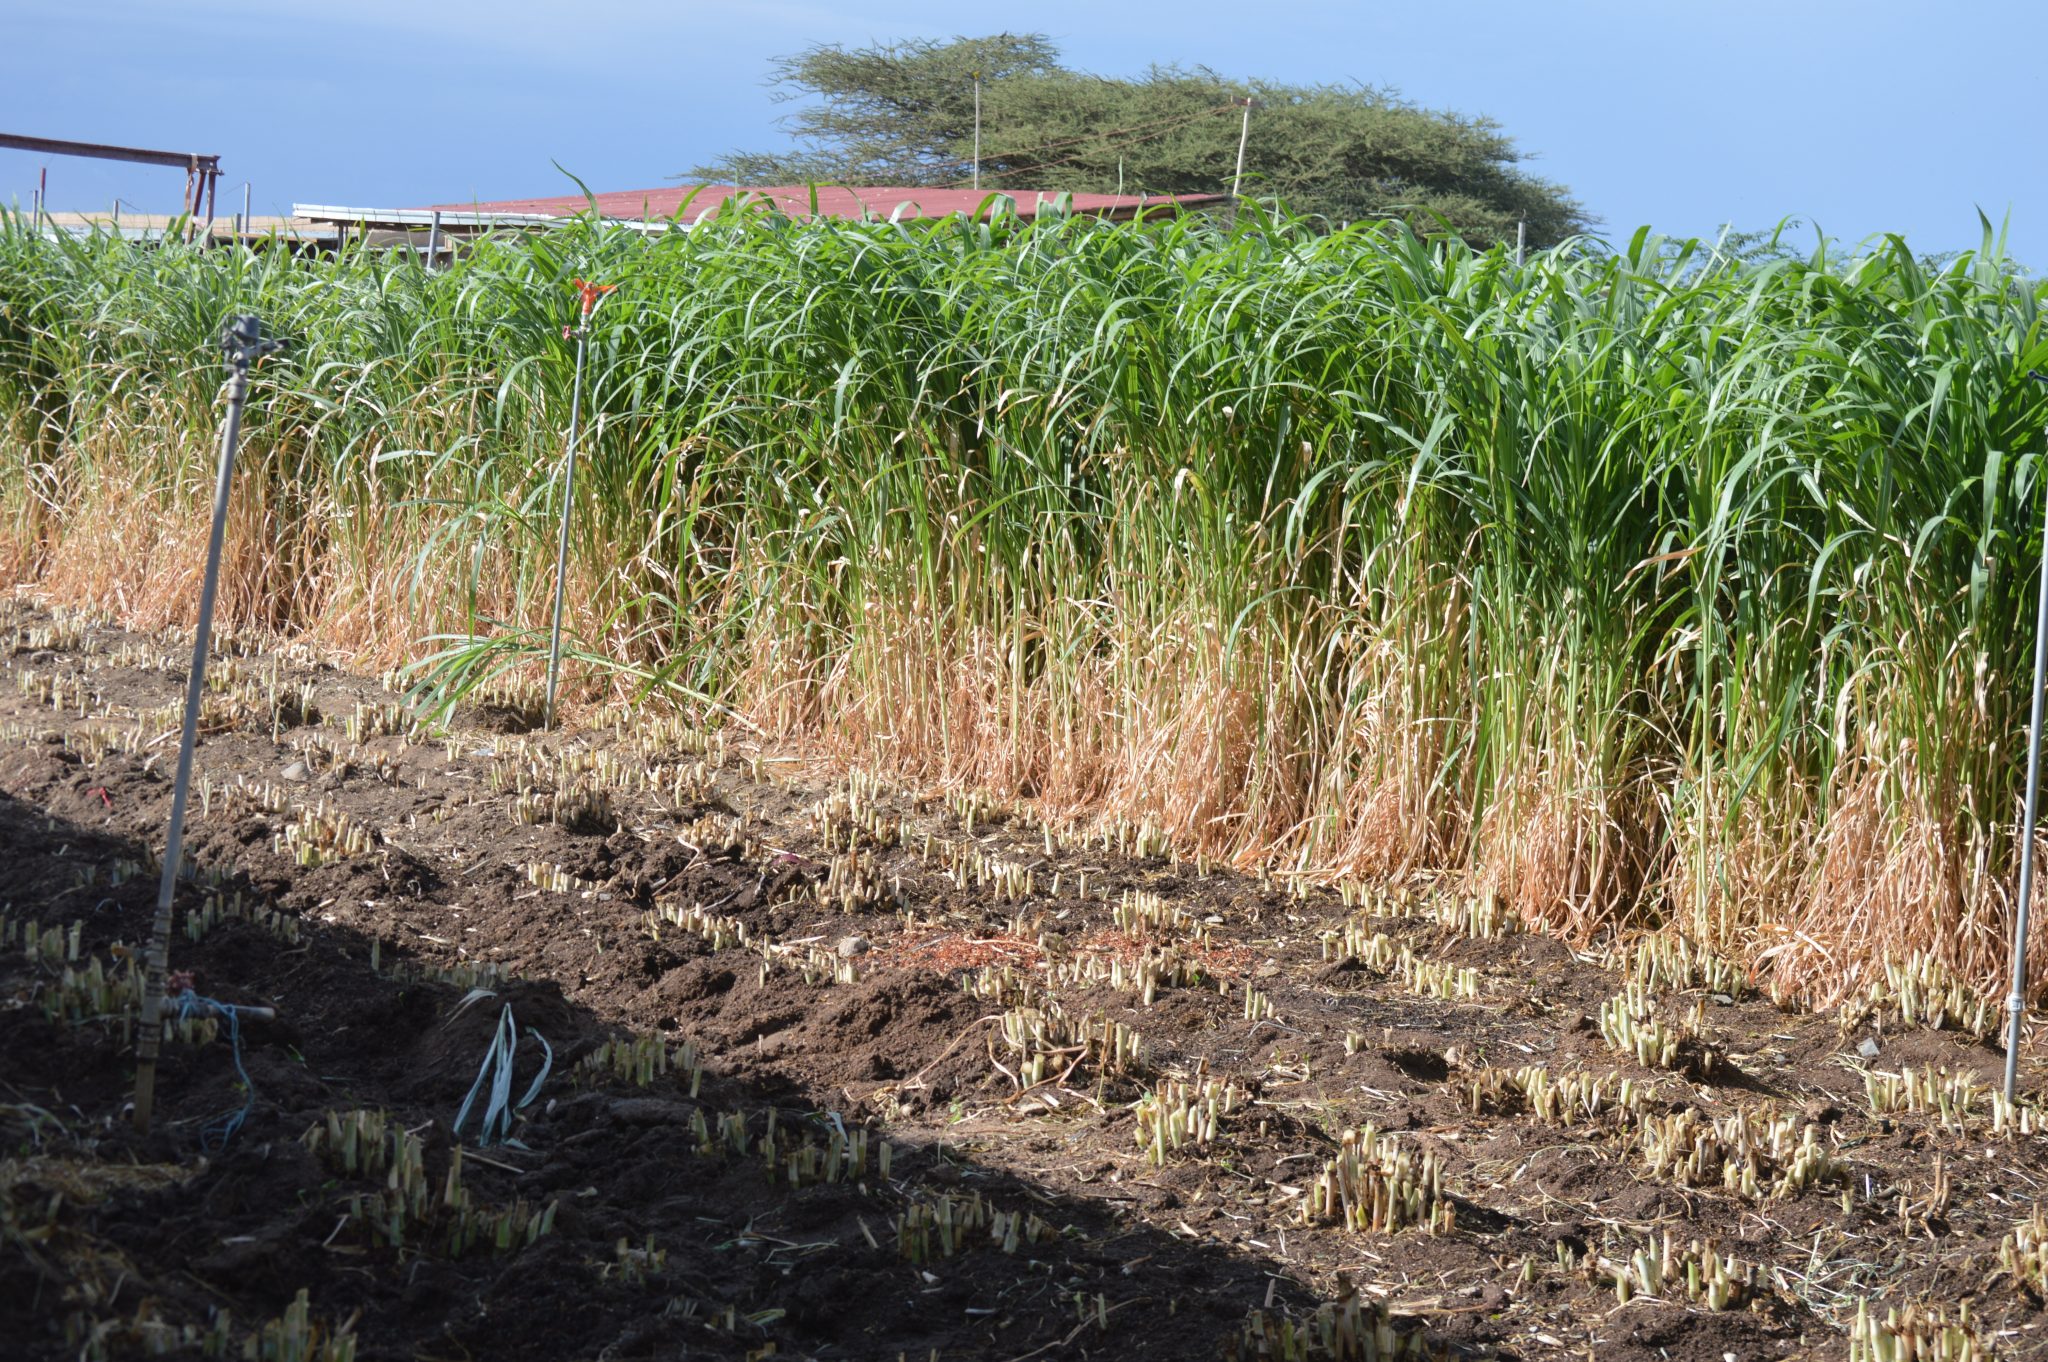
x: 977, y: 129
x: 562, y: 545
x: 433, y: 238
x: 243, y: 343
x: 1244, y: 134
x: 246, y: 219
x: 1521, y: 242
x: 2016, y: 1001
x: 590, y: 293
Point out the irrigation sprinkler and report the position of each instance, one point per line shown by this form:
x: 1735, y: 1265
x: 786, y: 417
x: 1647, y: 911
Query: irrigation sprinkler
x: 244, y: 344
x: 2016, y: 1001
x: 590, y: 293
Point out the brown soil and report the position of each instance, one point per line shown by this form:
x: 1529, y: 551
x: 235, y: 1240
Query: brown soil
x: 117, y: 1244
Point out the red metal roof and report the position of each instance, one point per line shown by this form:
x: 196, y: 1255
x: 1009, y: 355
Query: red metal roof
x: 833, y: 202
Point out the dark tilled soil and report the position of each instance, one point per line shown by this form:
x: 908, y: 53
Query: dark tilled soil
x: 867, y: 997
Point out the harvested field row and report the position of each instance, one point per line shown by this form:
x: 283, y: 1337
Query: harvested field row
x: 839, y: 1069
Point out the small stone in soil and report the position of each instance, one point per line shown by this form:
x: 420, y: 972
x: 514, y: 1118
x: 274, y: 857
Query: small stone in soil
x: 298, y: 773
x: 852, y: 946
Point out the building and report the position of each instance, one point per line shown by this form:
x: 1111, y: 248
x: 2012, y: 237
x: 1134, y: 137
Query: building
x: 684, y: 206
x: 690, y: 204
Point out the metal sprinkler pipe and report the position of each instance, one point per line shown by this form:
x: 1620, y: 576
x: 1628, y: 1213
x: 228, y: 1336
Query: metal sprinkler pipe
x: 590, y: 294
x: 1244, y: 135
x: 244, y: 344
x: 2016, y: 1001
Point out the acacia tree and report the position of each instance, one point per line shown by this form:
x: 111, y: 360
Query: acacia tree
x: 903, y: 114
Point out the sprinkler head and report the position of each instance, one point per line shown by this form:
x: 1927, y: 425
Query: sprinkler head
x: 244, y: 340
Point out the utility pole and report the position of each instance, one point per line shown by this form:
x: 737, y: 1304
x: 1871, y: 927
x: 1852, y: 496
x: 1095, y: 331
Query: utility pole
x: 1244, y: 134
x: 977, y: 129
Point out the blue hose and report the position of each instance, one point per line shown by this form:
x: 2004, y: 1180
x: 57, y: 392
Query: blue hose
x: 214, y: 1136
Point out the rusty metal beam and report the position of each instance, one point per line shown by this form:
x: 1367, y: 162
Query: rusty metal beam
x: 191, y: 162
x: 202, y: 172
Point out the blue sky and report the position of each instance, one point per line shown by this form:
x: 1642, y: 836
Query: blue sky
x: 1863, y: 117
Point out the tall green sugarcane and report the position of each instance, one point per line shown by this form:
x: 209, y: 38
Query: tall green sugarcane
x: 1357, y: 549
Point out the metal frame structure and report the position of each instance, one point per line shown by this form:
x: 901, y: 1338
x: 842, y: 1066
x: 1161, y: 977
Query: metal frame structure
x: 444, y: 226
x: 400, y: 218
x: 202, y: 172
x: 654, y: 210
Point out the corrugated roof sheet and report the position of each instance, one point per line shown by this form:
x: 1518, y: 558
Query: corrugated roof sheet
x: 832, y: 201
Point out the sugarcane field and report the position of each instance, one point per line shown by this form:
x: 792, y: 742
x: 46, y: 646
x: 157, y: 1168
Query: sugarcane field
x: 1229, y: 762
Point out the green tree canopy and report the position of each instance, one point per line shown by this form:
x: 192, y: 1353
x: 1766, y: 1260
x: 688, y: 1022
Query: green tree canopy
x: 903, y: 114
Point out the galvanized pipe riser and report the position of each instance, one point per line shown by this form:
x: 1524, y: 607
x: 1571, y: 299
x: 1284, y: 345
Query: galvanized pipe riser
x: 562, y: 546
x: 2016, y: 1000
x: 243, y: 344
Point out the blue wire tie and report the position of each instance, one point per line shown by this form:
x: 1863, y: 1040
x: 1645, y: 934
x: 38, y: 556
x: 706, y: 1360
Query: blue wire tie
x: 214, y: 1136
